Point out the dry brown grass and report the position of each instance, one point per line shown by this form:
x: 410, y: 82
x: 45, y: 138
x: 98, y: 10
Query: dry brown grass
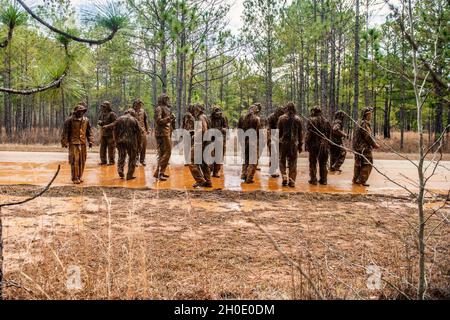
x: 410, y: 145
x: 197, y: 245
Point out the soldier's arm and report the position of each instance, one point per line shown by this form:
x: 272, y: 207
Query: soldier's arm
x: 146, y: 122
x: 225, y: 125
x: 280, y: 127
x: 89, y: 135
x: 204, y: 124
x: 159, y: 118
x: 300, y: 136
x: 308, y: 135
x: 367, y: 135
x: 113, y: 117
x: 65, y: 134
x: 337, y: 130
x: 111, y: 125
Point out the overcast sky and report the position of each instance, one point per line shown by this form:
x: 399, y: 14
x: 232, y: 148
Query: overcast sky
x: 378, y: 9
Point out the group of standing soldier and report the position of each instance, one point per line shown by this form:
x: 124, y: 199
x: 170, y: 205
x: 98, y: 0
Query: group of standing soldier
x: 128, y: 133
x: 323, y: 141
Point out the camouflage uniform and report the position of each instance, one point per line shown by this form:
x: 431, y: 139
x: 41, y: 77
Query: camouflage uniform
x: 337, y: 152
x: 220, y: 122
x: 250, y: 121
x: 291, y: 141
x: 106, y: 136
x: 76, y: 134
x: 142, y: 118
x: 363, y: 143
x: 163, y: 131
x: 272, y: 124
x: 200, y: 172
x: 128, y: 135
x: 318, y: 130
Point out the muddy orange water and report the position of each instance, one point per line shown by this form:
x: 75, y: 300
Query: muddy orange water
x: 36, y: 168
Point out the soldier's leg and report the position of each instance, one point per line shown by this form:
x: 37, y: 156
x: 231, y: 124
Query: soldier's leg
x: 251, y: 170
x: 245, y: 165
x: 166, y: 152
x: 283, y: 165
x: 103, y: 148
x: 292, y: 162
x: 159, y: 143
x: 143, y: 149
x: 323, y: 160
x: 357, y: 169
x: 132, y: 154
x: 334, y: 153
x: 73, y: 160
x: 340, y: 159
x: 76, y: 163
x: 121, y: 160
x: 366, y: 168
x: 197, y: 173
x: 111, y: 150
x: 83, y: 158
x: 206, y: 174
x: 313, y: 166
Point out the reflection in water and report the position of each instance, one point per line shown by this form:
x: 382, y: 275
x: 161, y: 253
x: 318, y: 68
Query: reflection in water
x: 35, y: 171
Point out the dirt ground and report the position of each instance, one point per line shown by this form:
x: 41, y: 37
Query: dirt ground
x: 167, y: 244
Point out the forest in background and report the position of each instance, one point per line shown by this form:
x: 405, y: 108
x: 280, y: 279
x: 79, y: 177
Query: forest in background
x: 313, y: 52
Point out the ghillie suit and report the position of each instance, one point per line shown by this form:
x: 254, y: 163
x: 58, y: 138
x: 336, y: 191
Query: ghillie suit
x: 76, y: 134
x: 318, y: 131
x: 188, y: 121
x: 163, y: 131
x: 107, y: 144
x: 291, y: 141
x: 363, y: 143
x: 250, y: 121
x: 200, y: 172
x: 127, y: 134
x: 142, y: 118
x: 220, y: 122
x: 337, y: 151
x: 272, y: 124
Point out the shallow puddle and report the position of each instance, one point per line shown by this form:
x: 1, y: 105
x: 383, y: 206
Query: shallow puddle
x: 38, y: 168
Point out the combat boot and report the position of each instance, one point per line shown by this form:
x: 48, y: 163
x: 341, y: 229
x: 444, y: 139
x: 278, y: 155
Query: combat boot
x: 207, y: 184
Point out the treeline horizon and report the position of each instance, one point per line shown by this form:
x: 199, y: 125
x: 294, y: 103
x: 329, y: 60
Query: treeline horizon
x: 312, y: 52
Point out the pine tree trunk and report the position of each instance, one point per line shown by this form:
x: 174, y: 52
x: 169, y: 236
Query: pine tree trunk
x: 356, y: 65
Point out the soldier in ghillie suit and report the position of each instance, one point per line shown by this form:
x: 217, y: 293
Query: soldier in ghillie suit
x: 188, y: 121
x: 363, y: 143
x: 250, y: 121
x: 142, y: 118
x: 164, y: 119
x: 220, y: 122
x: 127, y: 134
x: 272, y: 124
x: 107, y: 144
x: 188, y: 124
x: 76, y: 134
x: 337, y: 151
x: 317, y: 144
x: 200, y: 172
x: 291, y: 141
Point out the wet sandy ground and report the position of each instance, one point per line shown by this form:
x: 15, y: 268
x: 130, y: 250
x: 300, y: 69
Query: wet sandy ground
x: 37, y: 168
